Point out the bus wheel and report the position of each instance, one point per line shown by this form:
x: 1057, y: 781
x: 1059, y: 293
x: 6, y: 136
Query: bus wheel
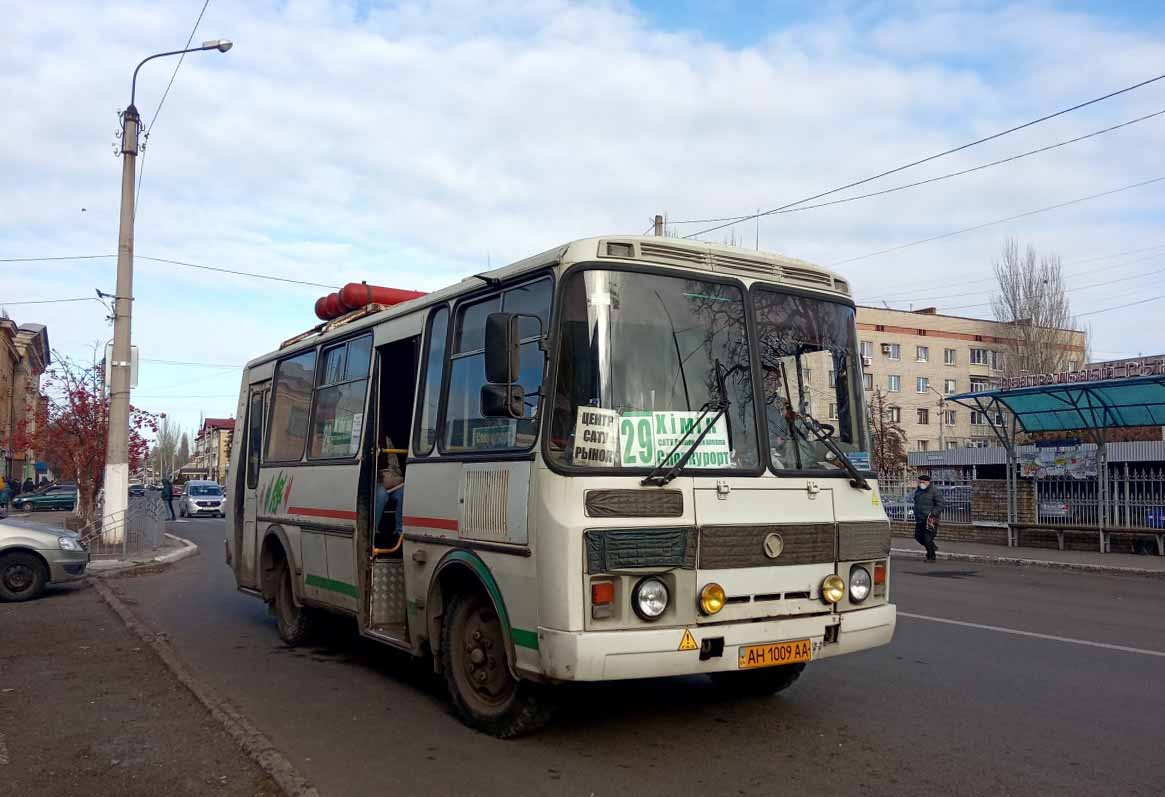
x: 758, y: 683
x: 484, y: 692
x: 294, y: 622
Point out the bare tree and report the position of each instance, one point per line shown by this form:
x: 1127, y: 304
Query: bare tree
x: 184, y: 450
x: 888, y: 444
x: 1032, y: 300
x: 165, y: 452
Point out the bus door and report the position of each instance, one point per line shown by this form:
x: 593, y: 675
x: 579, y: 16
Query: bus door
x: 256, y: 416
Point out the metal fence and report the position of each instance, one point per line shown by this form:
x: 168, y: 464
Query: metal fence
x: 1135, y: 499
x: 139, y: 530
x: 898, y: 498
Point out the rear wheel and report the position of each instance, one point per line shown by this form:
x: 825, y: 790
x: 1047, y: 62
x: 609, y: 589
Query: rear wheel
x: 295, y: 623
x: 22, y: 576
x: 485, y: 693
x: 758, y: 683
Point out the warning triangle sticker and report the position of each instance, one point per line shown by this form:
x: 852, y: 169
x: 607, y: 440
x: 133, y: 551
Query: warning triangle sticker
x: 687, y: 642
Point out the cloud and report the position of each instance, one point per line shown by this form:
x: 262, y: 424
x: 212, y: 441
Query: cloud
x: 407, y: 143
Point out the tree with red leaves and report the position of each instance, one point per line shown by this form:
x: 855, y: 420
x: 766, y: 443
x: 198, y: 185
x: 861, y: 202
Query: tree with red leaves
x: 67, y: 423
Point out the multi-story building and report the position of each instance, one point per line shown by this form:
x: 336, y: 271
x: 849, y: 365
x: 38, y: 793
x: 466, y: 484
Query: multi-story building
x: 917, y: 358
x: 212, y: 448
x: 24, y: 355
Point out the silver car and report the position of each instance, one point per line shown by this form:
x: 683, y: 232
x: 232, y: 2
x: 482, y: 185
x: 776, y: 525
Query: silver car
x: 33, y: 555
x: 201, y: 499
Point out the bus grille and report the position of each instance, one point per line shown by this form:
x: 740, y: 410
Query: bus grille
x: 863, y: 540
x: 486, y: 499
x: 723, y: 547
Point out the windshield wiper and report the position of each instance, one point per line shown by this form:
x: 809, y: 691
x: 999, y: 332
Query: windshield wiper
x: 718, y: 406
x: 823, y: 433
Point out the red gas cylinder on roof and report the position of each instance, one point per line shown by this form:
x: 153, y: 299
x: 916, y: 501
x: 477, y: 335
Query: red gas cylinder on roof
x: 355, y: 295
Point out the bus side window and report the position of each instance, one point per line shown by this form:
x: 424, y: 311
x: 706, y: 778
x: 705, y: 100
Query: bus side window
x: 290, y: 405
x: 430, y: 397
x: 254, y: 440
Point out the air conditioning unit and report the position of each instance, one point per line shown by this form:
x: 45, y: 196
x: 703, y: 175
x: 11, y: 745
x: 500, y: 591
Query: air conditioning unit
x: 885, y: 348
x: 867, y: 361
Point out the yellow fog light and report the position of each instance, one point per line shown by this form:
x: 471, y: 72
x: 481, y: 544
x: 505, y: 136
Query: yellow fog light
x: 711, y: 598
x: 832, y: 589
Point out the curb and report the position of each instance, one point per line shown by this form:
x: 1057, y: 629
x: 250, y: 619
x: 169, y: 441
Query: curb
x: 1080, y: 567
x: 252, y: 741
x: 188, y: 549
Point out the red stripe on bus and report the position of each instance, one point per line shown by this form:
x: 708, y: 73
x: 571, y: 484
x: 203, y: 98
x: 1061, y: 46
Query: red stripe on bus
x: 431, y: 522
x: 337, y: 514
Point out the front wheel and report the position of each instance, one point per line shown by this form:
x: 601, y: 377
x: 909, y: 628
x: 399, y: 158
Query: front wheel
x: 25, y: 507
x: 473, y: 655
x: 22, y: 576
x: 758, y: 683
x: 294, y: 622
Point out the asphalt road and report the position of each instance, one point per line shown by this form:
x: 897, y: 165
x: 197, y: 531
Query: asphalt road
x: 950, y: 708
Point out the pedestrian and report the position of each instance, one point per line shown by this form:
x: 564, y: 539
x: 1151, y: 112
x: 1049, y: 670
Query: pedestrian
x: 29, y: 485
x: 5, y: 493
x: 168, y: 495
x: 928, y: 507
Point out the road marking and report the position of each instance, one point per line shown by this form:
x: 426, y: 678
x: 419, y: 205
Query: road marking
x: 3, y: 752
x: 1017, y: 632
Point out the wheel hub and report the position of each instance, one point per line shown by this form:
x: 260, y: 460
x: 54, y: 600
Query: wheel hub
x: 489, y: 679
x: 18, y: 578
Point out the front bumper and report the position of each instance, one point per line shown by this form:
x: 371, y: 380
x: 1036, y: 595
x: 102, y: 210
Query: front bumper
x: 195, y: 511
x: 66, y: 565
x: 614, y: 655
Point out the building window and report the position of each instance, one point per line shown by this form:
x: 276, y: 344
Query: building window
x: 923, y: 415
x: 998, y: 419
x: 979, y: 385
x: 892, y: 351
x: 893, y: 383
x: 1071, y: 365
x: 894, y: 414
x: 923, y: 445
x: 950, y: 357
x: 977, y: 418
x: 833, y: 412
x: 978, y: 442
x: 922, y: 354
x: 431, y: 380
x: 832, y: 378
x: 951, y: 444
x: 979, y: 357
x: 867, y: 348
x: 950, y: 417
x: 290, y: 404
x: 921, y: 384
x: 868, y: 381
x: 996, y: 361
x: 949, y: 386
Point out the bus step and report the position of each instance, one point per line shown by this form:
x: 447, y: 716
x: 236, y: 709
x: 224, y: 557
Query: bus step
x: 388, y: 593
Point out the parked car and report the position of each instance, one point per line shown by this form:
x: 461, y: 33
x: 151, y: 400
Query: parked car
x: 59, y: 497
x: 33, y: 555
x: 201, y: 499
x: 137, y: 490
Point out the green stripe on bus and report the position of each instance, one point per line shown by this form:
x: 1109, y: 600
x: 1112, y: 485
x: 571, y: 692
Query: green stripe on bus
x: 331, y: 585
x: 524, y: 638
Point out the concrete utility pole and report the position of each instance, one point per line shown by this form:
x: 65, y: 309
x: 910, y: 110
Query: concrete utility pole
x: 658, y: 226
x: 942, y: 403
x: 117, y: 446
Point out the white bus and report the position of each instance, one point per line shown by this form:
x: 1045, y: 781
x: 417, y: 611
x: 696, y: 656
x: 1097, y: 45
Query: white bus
x: 625, y: 457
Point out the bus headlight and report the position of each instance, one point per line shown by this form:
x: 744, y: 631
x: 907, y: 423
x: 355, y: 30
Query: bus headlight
x: 832, y: 588
x: 711, y: 598
x: 859, y: 584
x: 650, y: 598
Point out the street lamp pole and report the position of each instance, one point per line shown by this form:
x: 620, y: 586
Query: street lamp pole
x: 116, y: 481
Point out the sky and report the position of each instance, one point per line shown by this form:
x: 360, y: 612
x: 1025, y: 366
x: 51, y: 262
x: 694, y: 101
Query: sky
x: 412, y: 144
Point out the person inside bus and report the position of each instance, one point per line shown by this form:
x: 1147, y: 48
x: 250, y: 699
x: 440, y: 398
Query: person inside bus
x: 390, y: 494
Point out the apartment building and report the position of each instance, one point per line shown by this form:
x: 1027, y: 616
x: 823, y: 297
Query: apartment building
x: 212, y: 448
x: 24, y: 355
x: 917, y: 358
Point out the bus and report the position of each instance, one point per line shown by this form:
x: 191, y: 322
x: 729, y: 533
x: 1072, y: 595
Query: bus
x: 625, y: 457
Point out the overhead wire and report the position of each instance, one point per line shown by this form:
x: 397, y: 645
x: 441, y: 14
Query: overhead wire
x: 929, y: 158
x: 50, y: 301
x: 220, y: 270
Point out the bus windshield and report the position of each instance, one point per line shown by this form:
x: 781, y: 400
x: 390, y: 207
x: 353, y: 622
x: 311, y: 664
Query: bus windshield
x: 808, y: 356
x: 642, y: 361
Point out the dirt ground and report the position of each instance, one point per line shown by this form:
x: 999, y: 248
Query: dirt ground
x: 86, y: 708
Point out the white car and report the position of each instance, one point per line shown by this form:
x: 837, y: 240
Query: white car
x: 201, y: 499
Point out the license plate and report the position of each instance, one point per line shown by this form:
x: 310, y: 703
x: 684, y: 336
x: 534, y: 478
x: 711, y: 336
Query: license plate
x: 774, y: 654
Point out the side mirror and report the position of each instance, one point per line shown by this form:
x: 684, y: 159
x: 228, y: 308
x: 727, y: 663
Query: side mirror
x: 503, y: 401
x: 502, y: 358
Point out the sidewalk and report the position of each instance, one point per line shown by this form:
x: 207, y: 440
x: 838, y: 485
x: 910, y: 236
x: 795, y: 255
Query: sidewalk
x: 86, y: 708
x: 1085, y: 561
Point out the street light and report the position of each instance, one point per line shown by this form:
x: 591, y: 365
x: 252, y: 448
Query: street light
x: 117, y: 444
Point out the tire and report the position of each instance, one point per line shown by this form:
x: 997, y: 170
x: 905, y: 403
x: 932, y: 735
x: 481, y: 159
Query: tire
x: 22, y: 576
x: 498, y: 704
x: 758, y: 683
x: 295, y: 623
x: 25, y: 507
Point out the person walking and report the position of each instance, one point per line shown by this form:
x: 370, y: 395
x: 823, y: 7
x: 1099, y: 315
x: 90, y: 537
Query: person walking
x: 168, y: 495
x: 5, y: 493
x: 29, y: 486
x: 928, y: 507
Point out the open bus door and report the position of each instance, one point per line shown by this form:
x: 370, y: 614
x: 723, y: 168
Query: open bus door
x: 256, y: 417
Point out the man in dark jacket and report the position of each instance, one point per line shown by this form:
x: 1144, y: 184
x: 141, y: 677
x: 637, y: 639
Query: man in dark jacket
x: 928, y: 506
x: 168, y: 495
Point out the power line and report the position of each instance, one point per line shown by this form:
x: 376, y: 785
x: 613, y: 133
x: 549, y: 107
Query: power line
x: 51, y: 301
x: 161, y: 102
x: 1121, y: 306
x: 191, y: 364
x: 929, y: 158
x: 49, y: 259
x: 998, y: 221
x: 175, y: 263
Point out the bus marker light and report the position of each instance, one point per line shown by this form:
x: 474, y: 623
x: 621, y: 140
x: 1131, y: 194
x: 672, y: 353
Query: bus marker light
x: 832, y: 588
x: 712, y: 598
x: 602, y: 592
x: 880, y: 573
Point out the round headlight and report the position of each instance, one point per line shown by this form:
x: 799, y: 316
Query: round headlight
x: 859, y: 584
x: 650, y: 598
x: 832, y: 589
x: 711, y: 598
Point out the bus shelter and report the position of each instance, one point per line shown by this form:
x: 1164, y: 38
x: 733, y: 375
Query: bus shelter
x: 1078, y: 407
